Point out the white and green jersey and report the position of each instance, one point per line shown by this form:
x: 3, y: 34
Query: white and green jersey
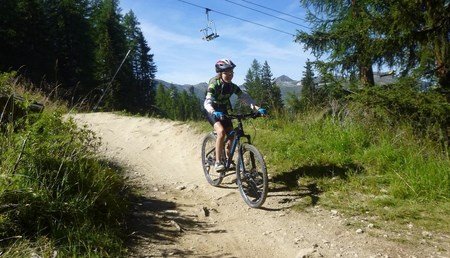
x: 219, y: 93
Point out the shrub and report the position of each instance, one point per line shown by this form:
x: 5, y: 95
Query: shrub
x: 400, y: 103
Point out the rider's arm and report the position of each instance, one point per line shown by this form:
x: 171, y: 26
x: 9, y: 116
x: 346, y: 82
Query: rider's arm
x: 208, y: 103
x: 209, y: 99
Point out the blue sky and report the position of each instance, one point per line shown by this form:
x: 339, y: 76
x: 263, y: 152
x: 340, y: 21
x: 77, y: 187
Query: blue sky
x: 172, y: 30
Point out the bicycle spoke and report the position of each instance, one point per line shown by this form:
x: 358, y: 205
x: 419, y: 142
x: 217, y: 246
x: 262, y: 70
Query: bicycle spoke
x: 209, y: 159
x: 211, y: 152
x: 253, y: 176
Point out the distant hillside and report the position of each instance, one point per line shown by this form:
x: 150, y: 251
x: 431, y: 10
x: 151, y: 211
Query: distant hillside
x: 199, y: 89
x: 286, y: 84
x: 285, y: 80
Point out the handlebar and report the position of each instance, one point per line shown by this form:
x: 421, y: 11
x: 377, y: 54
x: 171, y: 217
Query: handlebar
x: 243, y: 116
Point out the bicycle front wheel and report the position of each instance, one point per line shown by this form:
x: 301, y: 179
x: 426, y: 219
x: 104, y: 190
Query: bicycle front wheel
x: 252, y: 176
x: 209, y: 159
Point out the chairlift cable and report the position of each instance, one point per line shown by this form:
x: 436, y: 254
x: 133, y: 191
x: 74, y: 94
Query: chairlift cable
x: 241, y: 19
x: 110, y: 82
x: 268, y: 14
x: 268, y: 8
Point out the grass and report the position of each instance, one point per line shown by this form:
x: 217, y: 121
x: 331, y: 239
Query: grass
x: 56, y: 195
x: 388, y: 173
x: 396, y: 180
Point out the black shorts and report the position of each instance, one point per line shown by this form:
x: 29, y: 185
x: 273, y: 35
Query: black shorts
x: 226, y: 123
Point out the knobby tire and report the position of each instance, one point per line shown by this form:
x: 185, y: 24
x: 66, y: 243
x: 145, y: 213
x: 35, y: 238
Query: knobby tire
x: 208, y: 160
x: 251, y: 175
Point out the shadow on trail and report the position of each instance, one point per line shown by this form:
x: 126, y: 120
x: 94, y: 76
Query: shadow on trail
x: 229, y: 181
x: 291, y: 186
x: 155, y: 225
x: 290, y: 178
x: 271, y: 209
x: 228, y: 186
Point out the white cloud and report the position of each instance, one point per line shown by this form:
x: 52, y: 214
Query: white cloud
x: 157, y: 35
x: 182, y: 57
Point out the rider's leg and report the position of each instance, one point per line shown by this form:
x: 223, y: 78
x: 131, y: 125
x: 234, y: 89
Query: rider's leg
x: 229, y: 143
x: 221, y: 133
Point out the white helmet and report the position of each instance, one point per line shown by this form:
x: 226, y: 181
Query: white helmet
x: 224, y: 64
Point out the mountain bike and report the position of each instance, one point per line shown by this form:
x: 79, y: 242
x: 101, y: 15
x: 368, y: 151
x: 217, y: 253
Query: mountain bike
x: 251, y: 172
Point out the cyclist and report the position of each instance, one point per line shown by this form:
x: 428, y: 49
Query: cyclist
x: 217, y: 104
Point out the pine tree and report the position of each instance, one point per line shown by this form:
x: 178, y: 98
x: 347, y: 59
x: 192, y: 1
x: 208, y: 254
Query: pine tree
x: 260, y: 85
x: 49, y: 41
x: 142, y: 93
x: 147, y: 72
x: 252, y: 82
x: 24, y: 39
x: 293, y: 103
x: 174, y: 107
x: 112, y: 48
x: 416, y: 38
x: 411, y: 36
x: 194, y: 106
x: 161, y: 99
x: 342, y: 30
x: 309, y: 91
x: 78, y: 45
x: 271, y: 92
x: 73, y: 45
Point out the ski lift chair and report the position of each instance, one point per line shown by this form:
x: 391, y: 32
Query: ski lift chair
x: 209, y: 31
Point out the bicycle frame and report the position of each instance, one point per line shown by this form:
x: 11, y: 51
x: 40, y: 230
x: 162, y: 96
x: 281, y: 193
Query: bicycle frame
x: 251, y: 171
x: 238, y: 133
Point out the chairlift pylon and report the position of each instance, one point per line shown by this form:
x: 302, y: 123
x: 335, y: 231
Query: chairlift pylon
x: 209, y: 31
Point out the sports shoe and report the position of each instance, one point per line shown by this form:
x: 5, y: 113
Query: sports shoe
x: 219, y: 167
x: 232, y: 165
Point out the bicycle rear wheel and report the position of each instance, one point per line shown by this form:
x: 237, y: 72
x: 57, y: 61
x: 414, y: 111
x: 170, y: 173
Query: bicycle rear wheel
x: 209, y: 159
x: 252, y: 176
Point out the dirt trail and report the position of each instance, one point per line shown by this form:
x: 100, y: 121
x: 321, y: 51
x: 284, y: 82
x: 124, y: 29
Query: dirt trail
x: 180, y: 214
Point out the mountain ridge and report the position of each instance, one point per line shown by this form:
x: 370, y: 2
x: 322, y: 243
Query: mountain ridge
x: 286, y: 84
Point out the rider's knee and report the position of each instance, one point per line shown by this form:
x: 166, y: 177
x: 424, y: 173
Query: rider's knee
x: 220, y: 133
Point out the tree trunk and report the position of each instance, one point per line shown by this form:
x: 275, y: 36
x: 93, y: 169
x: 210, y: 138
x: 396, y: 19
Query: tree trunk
x: 439, y: 37
x: 366, y: 75
x: 442, y: 56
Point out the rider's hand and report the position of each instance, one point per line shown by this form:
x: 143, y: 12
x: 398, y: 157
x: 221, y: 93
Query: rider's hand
x: 218, y: 115
x: 262, y: 111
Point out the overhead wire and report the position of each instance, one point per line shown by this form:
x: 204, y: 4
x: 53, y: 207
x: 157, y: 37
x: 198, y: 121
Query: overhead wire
x: 241, y: 19
x: 268, y: 8
x: 268, y: 14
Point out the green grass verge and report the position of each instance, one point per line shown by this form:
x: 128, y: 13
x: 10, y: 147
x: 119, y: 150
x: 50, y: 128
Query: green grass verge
x: 56, y: 195
x: 358, y: 169
x: 389, y: 174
